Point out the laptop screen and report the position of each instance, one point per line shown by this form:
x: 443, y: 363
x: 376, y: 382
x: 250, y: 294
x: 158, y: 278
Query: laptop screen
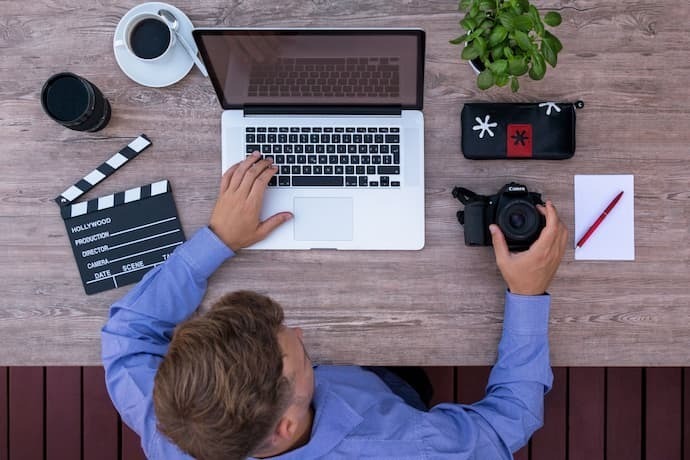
x: 315, y: 67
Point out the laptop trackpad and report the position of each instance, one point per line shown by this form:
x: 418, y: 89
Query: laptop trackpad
x: 323, y: 219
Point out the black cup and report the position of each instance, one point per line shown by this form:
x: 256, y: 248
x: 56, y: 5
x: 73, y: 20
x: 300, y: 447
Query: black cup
x: 75, y: 102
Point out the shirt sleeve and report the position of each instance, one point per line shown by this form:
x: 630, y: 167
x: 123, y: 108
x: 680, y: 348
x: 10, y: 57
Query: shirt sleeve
x: 513, y: 408
x: 136, y: 336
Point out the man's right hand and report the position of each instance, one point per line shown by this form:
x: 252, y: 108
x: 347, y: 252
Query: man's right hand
x: 235, y: 219
x: 531, y: 272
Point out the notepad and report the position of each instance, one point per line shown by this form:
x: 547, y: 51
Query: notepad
x: 614, y: 239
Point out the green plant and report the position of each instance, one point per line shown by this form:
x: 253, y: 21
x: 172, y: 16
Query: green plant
x: 509, y: 38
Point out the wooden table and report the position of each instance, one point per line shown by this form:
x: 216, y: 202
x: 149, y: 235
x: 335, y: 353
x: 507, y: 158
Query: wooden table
x: 628, y: 60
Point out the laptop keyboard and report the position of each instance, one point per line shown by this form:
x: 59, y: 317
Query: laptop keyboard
x: 330, y: 77
x: 329, y: 156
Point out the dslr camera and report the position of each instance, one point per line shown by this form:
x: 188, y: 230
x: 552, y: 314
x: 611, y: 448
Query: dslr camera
x: 513, y: 209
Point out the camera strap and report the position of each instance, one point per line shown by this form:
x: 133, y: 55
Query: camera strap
x: 465, y: 196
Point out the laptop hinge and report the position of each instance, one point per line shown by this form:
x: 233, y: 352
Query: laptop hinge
x: 322, y: 110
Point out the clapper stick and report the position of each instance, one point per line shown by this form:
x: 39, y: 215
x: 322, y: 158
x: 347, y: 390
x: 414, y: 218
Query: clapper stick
x: 105, y: 170
x: 118, y: 238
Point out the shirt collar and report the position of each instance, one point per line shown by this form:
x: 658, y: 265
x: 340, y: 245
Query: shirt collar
x: 334, y: 419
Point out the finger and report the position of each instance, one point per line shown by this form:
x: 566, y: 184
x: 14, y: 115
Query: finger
x: 551, y: 215
x: 252, y: 173
x: 261, y: 182
x: 273, y: 222
x: 499, y: 242
x: 225, y: 180
x: 242, y: 170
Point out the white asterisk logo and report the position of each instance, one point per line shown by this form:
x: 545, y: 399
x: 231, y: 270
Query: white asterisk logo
x: 549, y: 106
x: 484, y: 126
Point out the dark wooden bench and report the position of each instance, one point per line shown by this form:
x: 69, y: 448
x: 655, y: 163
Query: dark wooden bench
x: 57, y: 413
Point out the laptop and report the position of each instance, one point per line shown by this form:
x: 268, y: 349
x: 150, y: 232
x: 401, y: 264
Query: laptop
x: 339, y: 111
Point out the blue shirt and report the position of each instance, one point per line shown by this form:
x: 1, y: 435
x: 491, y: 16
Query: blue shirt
x: 356, y: 415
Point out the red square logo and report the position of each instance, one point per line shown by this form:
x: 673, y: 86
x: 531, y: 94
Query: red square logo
x: 519, y: 140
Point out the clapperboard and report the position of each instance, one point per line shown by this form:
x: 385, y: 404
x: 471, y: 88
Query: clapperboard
x: 117, y: 238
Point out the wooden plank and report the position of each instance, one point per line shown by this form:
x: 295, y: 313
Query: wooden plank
x: 131, y: 444
x: 549, y: 443
x: 663, y: 413
x: 443, y: 380
x: 470, y: 383
x: 101, y: 422
x: 26, y: 413
x: 3, y: 414
x: 686, y: 413
x: 63, y: 413
x: 586, y: 404
x: 624, y: 420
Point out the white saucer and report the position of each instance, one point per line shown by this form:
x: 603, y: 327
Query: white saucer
x: 166, y: 71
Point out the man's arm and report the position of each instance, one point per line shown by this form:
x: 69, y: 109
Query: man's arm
x: 140, y: 327
x: 513, y: 407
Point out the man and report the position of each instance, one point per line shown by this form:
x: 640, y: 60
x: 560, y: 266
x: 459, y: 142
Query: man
x: 236, y: 382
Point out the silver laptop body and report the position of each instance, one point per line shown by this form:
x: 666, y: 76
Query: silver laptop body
x: 339, y: 112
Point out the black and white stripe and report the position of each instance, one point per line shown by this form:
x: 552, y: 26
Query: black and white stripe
x: 116, y: 199
x: 104, y: 170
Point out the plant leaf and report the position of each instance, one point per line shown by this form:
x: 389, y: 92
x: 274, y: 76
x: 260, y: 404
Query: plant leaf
x: 536, y: 20
x: 514, y: 84
x: 487, y: 5
x: 549, y: 53
x: 497, y: 35
x: 468, y: 23
x: 480, y: 44
x: 508, y: 52
x: 485, y: 79
x: 465, y: 4
x: 507, y: 20
x: 523, y: 22
x: 499, y: 67
x: 523, y: 40
x: 502, y: 79
x: 538, y: 69
x: 497, y: 53
x: 517, y: 66
x: 523, y: 5
x: 458, y: 40
x: 555, y: 42
x: 470, y: 52
x: 474, y: 10
x: 552, y: 18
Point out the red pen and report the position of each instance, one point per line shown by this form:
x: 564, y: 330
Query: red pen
x: 599, y: 220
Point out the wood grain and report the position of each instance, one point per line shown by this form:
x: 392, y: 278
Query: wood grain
x: 664, y: 413
x: 628, y: 60
x: 549, y: 443
x: 101, y: 424
x: 63, y: 426
x: 26, y: 413
x: 624, y: 420
x: 587, y: 414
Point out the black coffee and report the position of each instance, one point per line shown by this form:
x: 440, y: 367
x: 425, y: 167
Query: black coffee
x: 67, y: 98
x: 149, y: 38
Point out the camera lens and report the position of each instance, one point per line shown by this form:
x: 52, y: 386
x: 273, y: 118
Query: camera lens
x: 519, y: 220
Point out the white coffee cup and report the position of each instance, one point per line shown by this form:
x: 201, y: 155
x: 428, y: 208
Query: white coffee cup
x: 146, y: 40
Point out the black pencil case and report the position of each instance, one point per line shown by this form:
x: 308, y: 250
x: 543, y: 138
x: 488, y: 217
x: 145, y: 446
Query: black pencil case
x: 539, y: 131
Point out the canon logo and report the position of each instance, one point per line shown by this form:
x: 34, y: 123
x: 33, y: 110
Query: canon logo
x: 517, y: 189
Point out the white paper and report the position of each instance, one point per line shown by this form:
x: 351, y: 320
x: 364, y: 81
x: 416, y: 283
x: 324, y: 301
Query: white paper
x: 614, y: 239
